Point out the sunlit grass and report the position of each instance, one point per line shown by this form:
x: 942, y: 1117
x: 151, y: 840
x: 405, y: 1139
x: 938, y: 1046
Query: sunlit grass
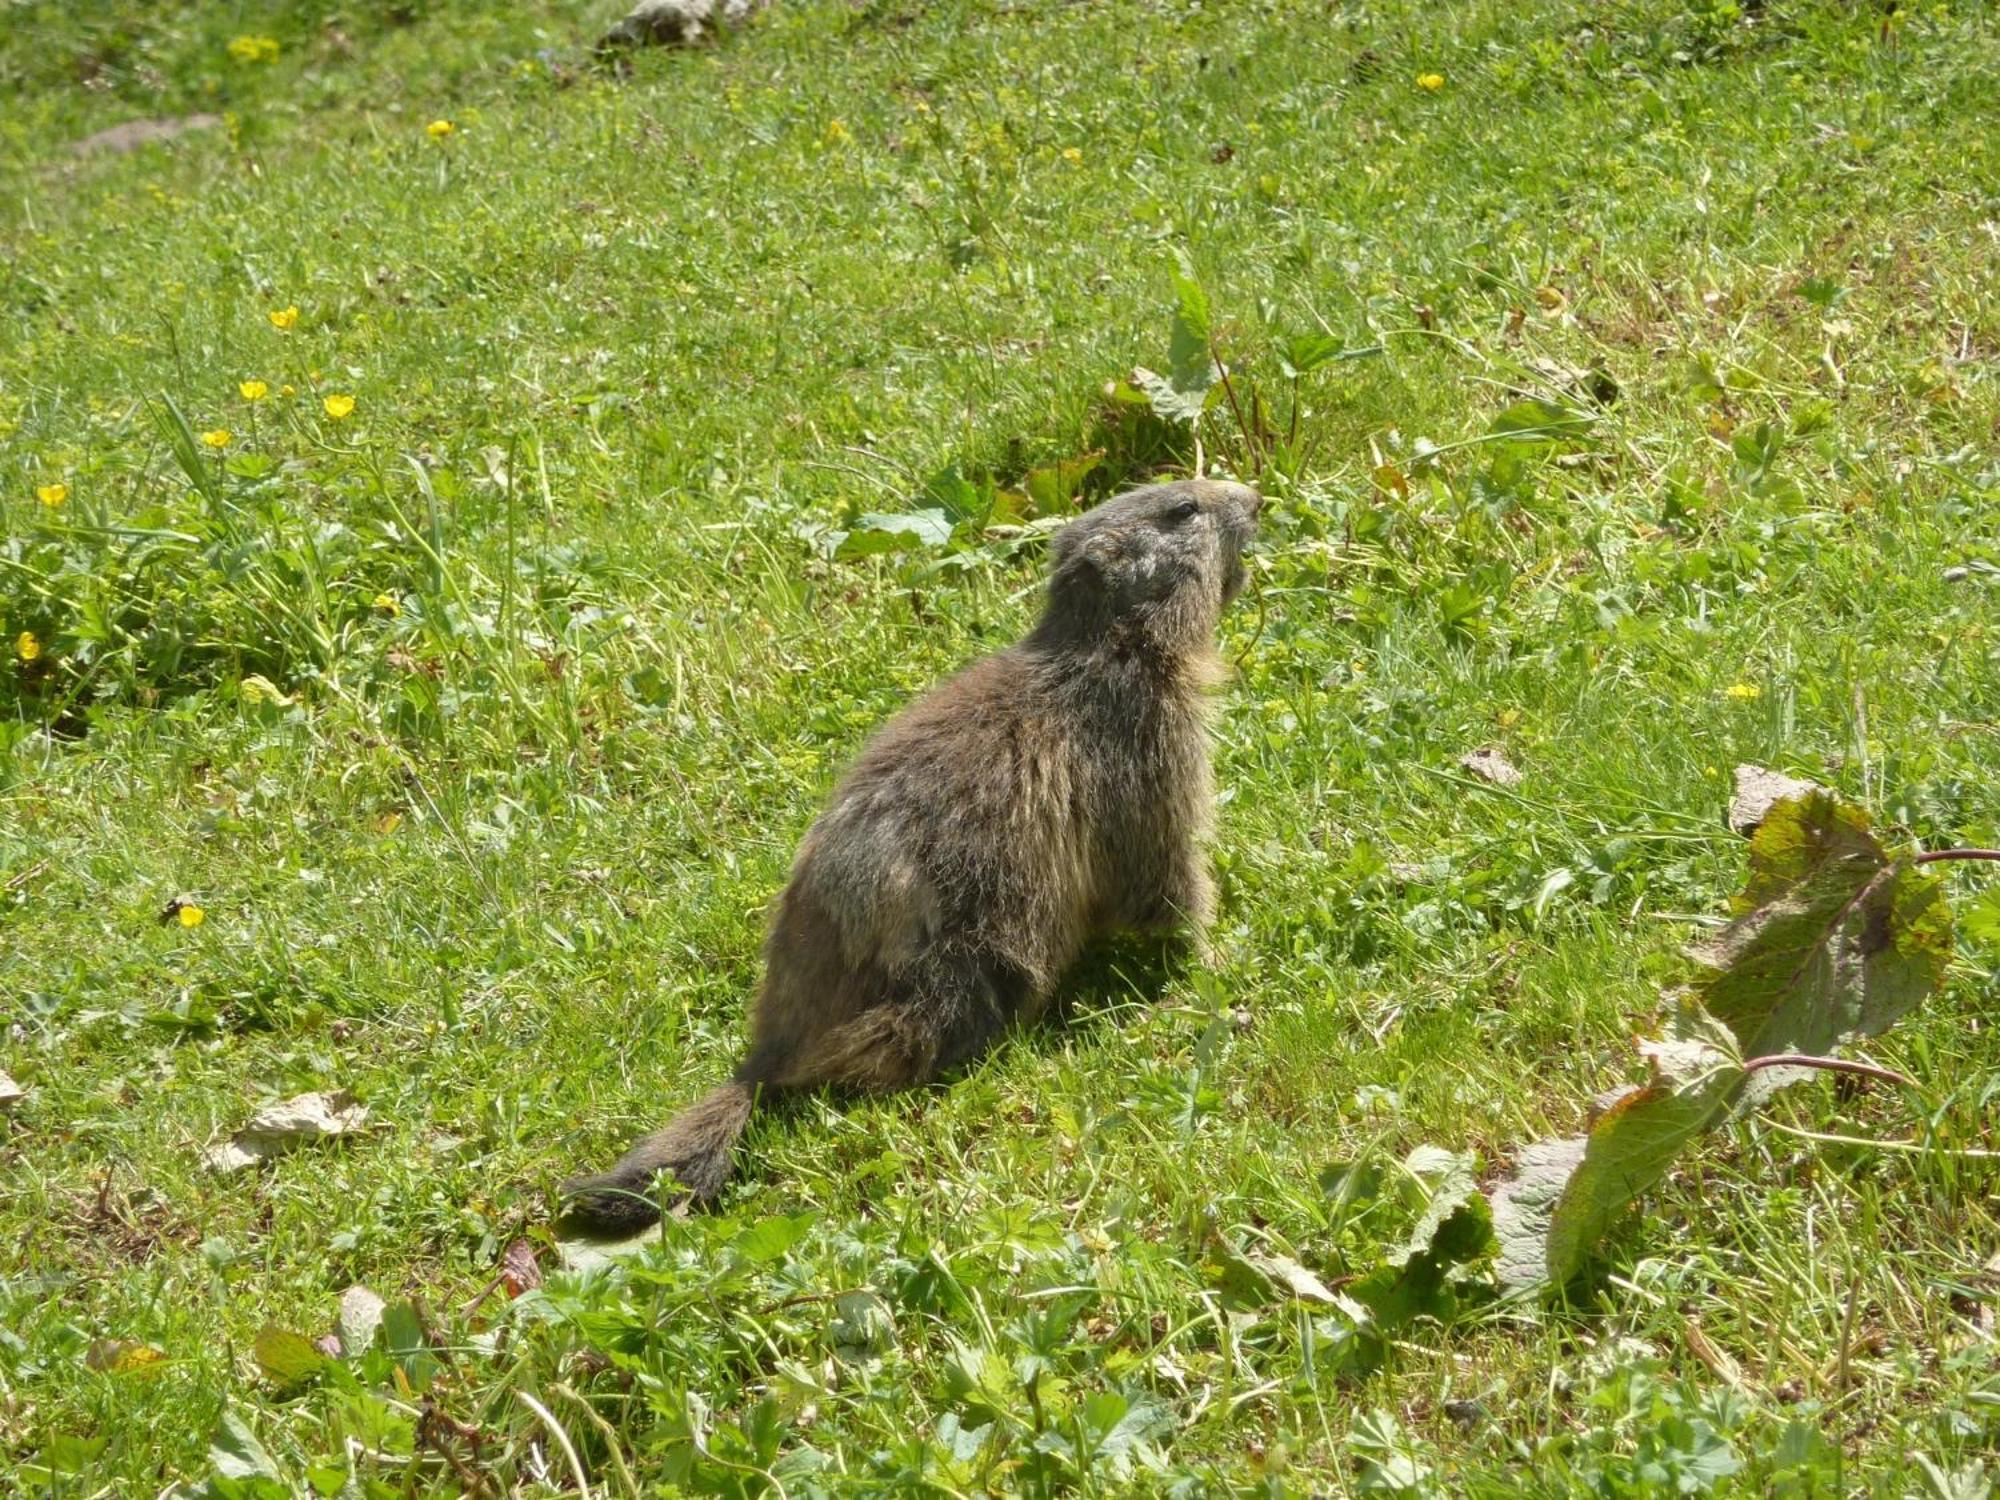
x: 418, y: 556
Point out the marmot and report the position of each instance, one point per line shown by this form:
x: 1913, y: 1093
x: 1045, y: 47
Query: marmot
x: 1055, y: 791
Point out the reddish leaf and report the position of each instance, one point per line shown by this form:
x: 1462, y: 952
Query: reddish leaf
x: 519, y: 1270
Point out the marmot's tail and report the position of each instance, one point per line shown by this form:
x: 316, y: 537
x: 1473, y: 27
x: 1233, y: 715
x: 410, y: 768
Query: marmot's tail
x: 694, y: 1151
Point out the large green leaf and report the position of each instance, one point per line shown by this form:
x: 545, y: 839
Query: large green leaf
x: 242, y: 1466
x: 1524, y: 1203
x: 1831, y: 939
x: 768, y: 1239
x: 1181, y: 395
x: 1534, y: 423
x: 879, y: 532
x: 1563, y: 1195
x: 1053, y: 489
x: 1191, y: 360
x: 1455, y: 1226
x: 1173, y: 402
x: 1303, y: 353
x: 287, y: 1358
x: 1695, y: 1074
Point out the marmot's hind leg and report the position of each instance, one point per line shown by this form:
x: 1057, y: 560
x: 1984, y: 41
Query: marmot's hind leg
x: 942, y: 1012
x: 883, y: 1049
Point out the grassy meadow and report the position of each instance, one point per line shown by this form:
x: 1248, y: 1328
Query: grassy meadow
x: 443, y: 566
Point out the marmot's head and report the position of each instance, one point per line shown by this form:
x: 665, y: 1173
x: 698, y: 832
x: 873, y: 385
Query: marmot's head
x: 1167, y: 557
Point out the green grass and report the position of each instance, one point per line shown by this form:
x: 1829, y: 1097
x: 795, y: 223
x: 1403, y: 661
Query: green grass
x: 481, y: 724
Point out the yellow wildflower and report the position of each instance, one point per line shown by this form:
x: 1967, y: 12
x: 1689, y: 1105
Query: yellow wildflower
x: 387, y: 604
x: 437, y: 130
x: 1743, y: 690
x: 288, y: 389
x: 252, y: 390
x: 216, y: 437
x: 1073, y: 156
x: 1430, y: 82
x: 837, y: 133
x: 26, y: 646
x: 52, y: 495
x: 283, y: 317
x: 254, y: 49
x: 191, y: 915
x: 339, y: 407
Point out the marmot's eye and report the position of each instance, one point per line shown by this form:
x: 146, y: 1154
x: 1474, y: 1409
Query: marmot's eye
x: 1187, y: 510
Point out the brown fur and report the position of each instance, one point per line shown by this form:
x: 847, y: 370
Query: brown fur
x: 1048, y: 794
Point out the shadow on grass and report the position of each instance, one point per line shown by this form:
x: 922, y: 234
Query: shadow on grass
x: 1109, y: 986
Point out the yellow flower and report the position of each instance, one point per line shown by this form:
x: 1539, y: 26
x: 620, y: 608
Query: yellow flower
x: 1743, y: 690
x: 437, y: 130
x: 387, y: 604
x: 1073, y: 156
x: 216, y: 437
x: 254, y: 49
x: 339, y: 407
x: 52, y: 495
x: 283, y: 317
x: 288, y: 390
x: 26, y: 646
x: 191, y: 915
x: 1430, y: 82
x: 252, y: 390
x: 837, y: 133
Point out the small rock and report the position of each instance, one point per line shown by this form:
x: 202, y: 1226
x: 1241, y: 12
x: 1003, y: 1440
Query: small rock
x: 278, y: 1128
x: 1757, y: 792
x: 135, y: 133
x: 594, y: 1255
x: 1492, y: 766
x: 1465, y: 1415
x: 1593, y: 384
x: 675, y: 23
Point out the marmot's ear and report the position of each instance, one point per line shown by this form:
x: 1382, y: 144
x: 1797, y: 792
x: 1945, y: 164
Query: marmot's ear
x: 1103, y: 552
x: 1081, y: 551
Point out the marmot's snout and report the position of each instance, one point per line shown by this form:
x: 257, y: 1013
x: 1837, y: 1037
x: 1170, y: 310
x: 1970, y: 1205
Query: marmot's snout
x: 1239, y: 503
x: 1242, y: 501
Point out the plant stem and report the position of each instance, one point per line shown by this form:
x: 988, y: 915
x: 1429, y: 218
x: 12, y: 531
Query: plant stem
x: 1829, y: 1064
x: 1915, y: 1148
x: 1249, y: 438
x: 1937, y: 855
